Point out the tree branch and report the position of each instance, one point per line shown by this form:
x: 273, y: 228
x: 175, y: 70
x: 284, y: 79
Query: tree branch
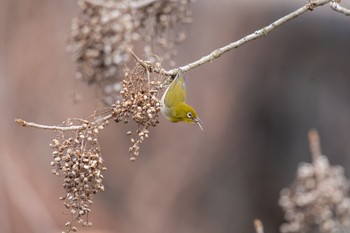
x: 336, y: 7
x: 60, y: 128
x: 257, y: 34
x: 208, y: 58
x: 136, y: 4
x: 141, y: 4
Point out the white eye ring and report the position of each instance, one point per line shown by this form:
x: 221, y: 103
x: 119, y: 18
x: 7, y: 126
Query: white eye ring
x: 189, y: 115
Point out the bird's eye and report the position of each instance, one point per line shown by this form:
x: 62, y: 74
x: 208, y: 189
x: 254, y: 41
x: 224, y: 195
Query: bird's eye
x: 189, y: 115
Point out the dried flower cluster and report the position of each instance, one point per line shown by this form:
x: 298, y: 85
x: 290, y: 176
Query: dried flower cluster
x: 140, y: 102
x: 318, y: 199
x: 78, y: 159
x: 160, y: 20
x: 105, y: 30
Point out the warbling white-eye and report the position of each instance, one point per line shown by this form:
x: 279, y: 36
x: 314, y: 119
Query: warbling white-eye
x: 173, y: 103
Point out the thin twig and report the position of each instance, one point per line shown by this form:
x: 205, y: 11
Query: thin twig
x: 148, y: 67
x: 257, y: 34
x: 60, y: 128
x: 208, y: 58
x: 315, y: 146
x: 335, y: 6
x: 136, y: 4
x: 141, y: 3
x: 259, y: 227
x: 139, y: 60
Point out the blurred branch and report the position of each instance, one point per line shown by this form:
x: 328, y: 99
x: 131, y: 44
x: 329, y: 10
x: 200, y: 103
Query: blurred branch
x: 259, y: 227
x: 315, y: 147
x: 136, y: 4
x: 335, y: 6
x: 255, y: 35
x: 141, y: 3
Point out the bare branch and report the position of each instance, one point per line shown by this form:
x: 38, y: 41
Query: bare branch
x: 208, y: 58
x: 139, y: 60
x: 335, y: 6
x: 60, y: 128
x: 257, y: 34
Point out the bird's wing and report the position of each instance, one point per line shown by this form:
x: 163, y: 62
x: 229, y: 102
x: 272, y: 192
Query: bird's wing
x: 176, y: 92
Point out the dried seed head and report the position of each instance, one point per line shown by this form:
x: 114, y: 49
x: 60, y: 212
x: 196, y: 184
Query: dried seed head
x: 104, y: 30
x: 319, y: 197
x: 140, y: 102
x: 78, y: 159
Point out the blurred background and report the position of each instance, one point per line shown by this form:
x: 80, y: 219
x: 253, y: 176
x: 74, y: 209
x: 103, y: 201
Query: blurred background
x: 257, y: 103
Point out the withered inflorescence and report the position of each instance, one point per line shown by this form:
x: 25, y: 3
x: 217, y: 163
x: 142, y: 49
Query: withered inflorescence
x: 319, y: 197
x: 102, y: 35
x: 140, y: 103
x: 78, y: 159
x: 105, y: 30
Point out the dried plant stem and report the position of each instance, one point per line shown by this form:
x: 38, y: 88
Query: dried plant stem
x: 61, y: 128
x: 255, y: 35
x: 259, y: 227
x: 335, y: 6
x: 143, y: 63
x: 140, y: 4
x: 315, y: 146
